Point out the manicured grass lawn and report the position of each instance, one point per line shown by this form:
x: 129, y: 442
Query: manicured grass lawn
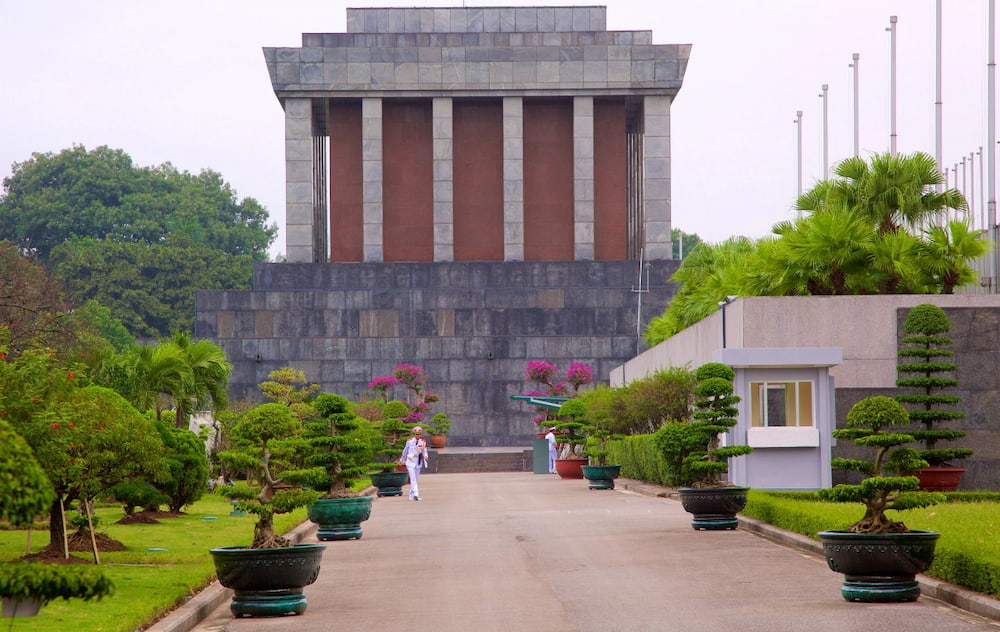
x: 147, y: 583
x: 968, y: 553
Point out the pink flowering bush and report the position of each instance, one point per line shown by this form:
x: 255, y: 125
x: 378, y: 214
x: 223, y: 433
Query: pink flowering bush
x: 543, y: 375
x: 414, y: 379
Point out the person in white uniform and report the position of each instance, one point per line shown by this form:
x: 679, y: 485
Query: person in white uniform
x: 414, y: 457
x: 551, y: 438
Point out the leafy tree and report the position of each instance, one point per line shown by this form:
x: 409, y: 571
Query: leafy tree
x: 684, y: 243
x: 210, y: 370
x: 186, y: 464
x: 645, y: 404
x: 149, y: 287
x: 947, y: 251
x: 54, y: 198
x: 25, y: 489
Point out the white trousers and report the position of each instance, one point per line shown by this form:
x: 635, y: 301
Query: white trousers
x: 552, y: 461
x: 414, y: 471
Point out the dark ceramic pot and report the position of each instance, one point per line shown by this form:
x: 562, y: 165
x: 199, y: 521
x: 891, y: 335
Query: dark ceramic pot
x: 879, y: 567
x: 601, y: 476
x: 570, y: 468
x: 389, y: 483
x: 340, y: 518
x: 713, y: 508
x: 268, y: 582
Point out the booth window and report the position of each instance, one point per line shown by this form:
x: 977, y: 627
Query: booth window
x: 781, y: 403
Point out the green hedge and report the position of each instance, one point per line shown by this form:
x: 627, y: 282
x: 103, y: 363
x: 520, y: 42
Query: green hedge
x: 640, y: 460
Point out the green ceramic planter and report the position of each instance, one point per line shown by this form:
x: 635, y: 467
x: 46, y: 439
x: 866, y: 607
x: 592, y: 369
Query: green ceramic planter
x: 340, y: 518
x: 601, y: 476
x: 389, y: 483
x: 268, y: 582
x: 713, y: 508
x: 879, y: 567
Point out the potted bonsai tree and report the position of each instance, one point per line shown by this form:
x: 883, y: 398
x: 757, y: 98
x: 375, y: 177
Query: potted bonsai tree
x: 601, y: 426
x: 26, y: 493
x: 925, y: 374
x: 878, y: 556
x: 570, y: 427
x: 712, y: 501
x: 438, y: 427
x: 269, y: 575
x: 392, y: 433
x: 341, y: 447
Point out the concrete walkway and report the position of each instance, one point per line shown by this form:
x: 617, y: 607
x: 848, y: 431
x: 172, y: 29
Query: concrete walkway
x: 520, y: 552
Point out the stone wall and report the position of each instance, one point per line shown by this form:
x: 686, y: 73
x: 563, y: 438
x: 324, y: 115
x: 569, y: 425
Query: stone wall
x: 472, y: 325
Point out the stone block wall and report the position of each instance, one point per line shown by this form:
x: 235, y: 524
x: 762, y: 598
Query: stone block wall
x: 473, y: 326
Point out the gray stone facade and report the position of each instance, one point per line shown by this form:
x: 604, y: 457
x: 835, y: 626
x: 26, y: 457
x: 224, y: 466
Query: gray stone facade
x: 472, y: 326
x: 453, y: 53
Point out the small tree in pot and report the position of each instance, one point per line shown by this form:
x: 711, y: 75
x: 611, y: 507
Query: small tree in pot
x: 269, y: 575
x: 712, y: 501
x: 926, y: 376
x: 342, y: 445
x: 895, y: 553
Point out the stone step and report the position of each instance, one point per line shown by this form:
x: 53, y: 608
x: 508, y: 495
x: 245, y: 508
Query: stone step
x: 451, y: 461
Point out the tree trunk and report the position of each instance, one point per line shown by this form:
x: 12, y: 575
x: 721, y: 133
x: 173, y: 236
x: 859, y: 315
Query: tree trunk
x: 57, y: 530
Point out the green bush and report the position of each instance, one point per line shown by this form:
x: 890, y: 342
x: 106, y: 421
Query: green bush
x: 641, y: 460
x: 52, y: 581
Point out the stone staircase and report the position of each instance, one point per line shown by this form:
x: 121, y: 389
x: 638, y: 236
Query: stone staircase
x: 465, y: 460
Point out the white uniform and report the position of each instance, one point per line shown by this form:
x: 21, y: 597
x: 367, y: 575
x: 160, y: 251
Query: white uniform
x: 414, y: 457
x: 551, y: 438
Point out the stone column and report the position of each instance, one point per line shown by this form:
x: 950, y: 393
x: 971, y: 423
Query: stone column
x: 656, y: 177
x: 513, y: 179
x: 371, y: 165
x: 583, y: 177
x: 444, y: 234
x: 298, y: 181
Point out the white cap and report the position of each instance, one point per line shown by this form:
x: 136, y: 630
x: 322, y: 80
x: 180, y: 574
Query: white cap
x: 417, y: 429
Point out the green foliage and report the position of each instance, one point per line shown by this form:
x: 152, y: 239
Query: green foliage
x: 694, y: 447
x: 887, y: 484
x: 571, y: 424
x: 439, y: 424
x: 53, y: 581
x: 645, y: 404
x: 110, y: 327
x: 923, y: 375
x: 25, y: 489
x: 138, y: 240
x: 642, y: 460
x: 341, y: 445
x: 186, y: 465
x: 137, y: 493
x: 854, y: 239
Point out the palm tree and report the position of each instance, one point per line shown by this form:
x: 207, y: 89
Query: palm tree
x: 210, y: 370
x: 156, y: 372
x: 891, y: 192
x: 947, y: 251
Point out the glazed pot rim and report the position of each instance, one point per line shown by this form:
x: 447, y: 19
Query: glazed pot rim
x: 841, y: 534
x: 734, y: 488
x: 301, y: 546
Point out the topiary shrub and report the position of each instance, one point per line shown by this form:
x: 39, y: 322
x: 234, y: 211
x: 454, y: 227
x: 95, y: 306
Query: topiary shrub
x: 926, y: 376
x: 884, y: 487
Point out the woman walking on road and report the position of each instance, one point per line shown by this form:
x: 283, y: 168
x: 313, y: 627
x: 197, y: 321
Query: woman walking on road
x: 414, y: 457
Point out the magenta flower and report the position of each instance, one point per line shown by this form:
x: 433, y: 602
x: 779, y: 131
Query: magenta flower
x: 540, y: 371
x: 579, y: 375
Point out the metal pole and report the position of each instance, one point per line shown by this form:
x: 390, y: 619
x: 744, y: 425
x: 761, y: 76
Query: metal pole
x: 892, y: 84
x: 857, y: 60
x: 982, y: 190
x: 991, y: 142
x: 798, y: 125
x: 971, y: 198
x: 938, y: 103
x: 826, y: 136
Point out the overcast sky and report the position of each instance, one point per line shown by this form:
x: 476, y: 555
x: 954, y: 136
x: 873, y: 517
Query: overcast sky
x: 185, y: 82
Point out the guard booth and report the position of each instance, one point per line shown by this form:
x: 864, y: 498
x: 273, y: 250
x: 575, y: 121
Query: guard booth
x: 539, y: 446
x: 786, y: 414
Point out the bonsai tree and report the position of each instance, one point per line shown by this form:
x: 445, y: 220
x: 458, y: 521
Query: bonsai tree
x: 439, y: 425
x: 256, y: 430
x: 342, y: 447
x: 921, y: 360
x: 571, y: 425
x: 45, y: 582
x: 715, y: 413
x: 869, y: 425
x: 393, y: 431
x: 601, y: 423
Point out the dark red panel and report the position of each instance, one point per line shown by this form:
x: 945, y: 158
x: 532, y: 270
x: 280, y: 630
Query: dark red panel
x: 478, y: 179
x: 407, y: 181
x: 548, y: 180
x: 346, y: 189
x: 610, y: 180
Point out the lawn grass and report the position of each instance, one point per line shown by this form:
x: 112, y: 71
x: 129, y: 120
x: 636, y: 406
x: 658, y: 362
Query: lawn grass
x: 968, y: 553
x: 147, y: 583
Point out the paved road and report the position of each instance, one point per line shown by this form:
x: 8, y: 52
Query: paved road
x: 521, y: 552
